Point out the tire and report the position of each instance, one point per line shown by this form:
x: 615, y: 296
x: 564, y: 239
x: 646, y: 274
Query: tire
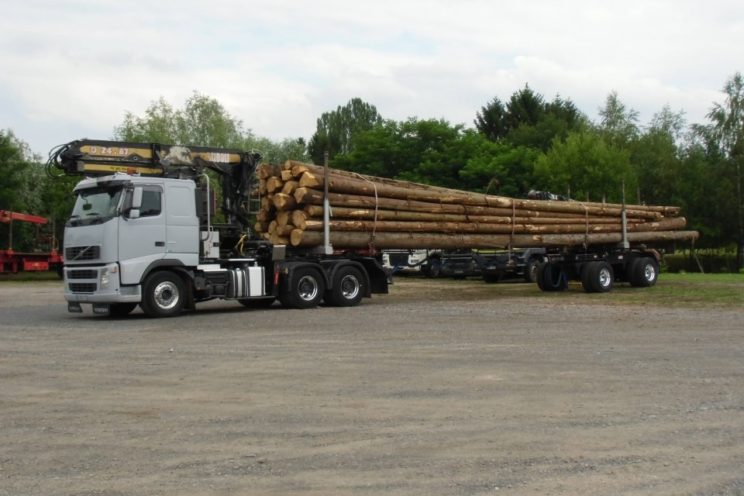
x: 305, y: 290
x: 491, y: 278
x: 257, y: 302
x: 597, y: 277
x: 540, y: 277
x: 164, y: 295
x: 643, y: 272
x: 348, y: 288
x: 433, y: 268
x: 530, y: 271
x: 552, y: 277
x: 121, y: 309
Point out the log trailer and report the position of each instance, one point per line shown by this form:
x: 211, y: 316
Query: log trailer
x: 144, y: 231
x: 491, y: 265
x: 44, y: 255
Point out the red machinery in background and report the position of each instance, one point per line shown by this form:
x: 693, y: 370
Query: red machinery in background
x: 44, y: 256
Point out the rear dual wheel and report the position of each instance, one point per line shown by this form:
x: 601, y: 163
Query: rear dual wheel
x: 597, y: 277
x: 551, y: 277
x: 643, y: 272
x: 304, y: 289
x: 348, y: 288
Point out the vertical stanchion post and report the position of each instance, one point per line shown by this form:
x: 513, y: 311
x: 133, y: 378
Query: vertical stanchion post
x: 626, y: 243
x: 327, y: 248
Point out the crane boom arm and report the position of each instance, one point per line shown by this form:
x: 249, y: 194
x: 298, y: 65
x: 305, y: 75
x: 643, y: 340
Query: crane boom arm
x: 99, y: 157
x: 236, y: 168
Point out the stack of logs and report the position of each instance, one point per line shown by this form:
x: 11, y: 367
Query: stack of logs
x: 369, y: 211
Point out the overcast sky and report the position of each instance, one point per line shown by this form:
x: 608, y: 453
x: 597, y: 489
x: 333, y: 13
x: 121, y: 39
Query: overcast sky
x: 72, y: 69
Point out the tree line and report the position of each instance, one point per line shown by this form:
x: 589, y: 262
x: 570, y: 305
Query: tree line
x: 526, y: 142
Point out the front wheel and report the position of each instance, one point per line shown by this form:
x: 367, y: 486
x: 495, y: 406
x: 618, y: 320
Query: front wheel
x: 303, y: 288
x: 348, y: 288
x: 163, y: 295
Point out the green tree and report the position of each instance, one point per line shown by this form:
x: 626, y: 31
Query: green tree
x: 25, y: 188
x: 618, y: 124
x: 337, y: 130
x: 203, y: 121
x: 725, y: 134
x: 586, y: 167
x: 656, y: 156
x: 491, y: 120
x: 528, y: 120
x: 15, y: 166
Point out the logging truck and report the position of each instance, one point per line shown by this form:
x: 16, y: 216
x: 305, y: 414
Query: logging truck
x: 145, y: 231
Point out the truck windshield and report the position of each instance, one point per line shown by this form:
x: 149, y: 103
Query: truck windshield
x: 95, y: 206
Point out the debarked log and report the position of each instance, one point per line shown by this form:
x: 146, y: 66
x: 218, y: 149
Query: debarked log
x: 390, y: 240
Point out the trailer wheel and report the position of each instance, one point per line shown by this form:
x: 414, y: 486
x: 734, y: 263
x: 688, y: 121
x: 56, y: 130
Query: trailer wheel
x: 305, y: 290
x: 597, y: 277
x: 552, y: 277
x: 433, y: 268
x: 348, y: 288
x: 530, y: 271
x: 121, y: 309
x: 643, y: 272
x: 257, y: 302
x: 164, y: 295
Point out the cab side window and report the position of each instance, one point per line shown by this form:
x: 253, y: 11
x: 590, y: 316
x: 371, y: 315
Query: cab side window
x: 151, y: 202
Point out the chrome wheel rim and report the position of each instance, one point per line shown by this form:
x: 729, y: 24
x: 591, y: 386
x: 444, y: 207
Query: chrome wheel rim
x: 350, y: 287
x: 307, y: 288
x: 605, y: 278
x: 649, y: 272
x: 166, y: 295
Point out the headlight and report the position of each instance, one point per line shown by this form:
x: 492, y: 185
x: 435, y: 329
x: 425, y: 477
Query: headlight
x: 104, y: 278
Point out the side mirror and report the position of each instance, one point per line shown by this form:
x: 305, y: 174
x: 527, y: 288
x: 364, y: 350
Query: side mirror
x: 134, y: 210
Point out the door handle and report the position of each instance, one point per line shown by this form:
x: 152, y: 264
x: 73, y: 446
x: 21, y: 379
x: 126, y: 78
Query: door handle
x: 159, y: 243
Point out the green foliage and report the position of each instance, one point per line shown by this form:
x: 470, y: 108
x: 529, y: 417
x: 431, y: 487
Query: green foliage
x: 434, y: 152
x: 203, y: 121
x: 618, y: 124
x: 25, y: 188
x: 15, y: 166
x: 337, y: 130
x: 586, y: 166
x: 528, y: 120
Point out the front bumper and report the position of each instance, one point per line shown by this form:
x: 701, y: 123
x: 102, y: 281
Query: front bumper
x: 98, y: 284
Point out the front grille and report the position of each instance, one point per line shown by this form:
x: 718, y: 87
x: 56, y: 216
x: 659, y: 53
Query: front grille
x: 75, y: 253
x: 82, y: 274
x: 83, y: 287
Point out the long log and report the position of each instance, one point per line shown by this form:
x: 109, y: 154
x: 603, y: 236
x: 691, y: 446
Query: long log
x: 351, y: 182
x: 472, y: 227
x: 523, y: 216
x: 347, y: 240
x: 315, y: 197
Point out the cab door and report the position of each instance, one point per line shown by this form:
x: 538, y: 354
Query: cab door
x: 142, y: 238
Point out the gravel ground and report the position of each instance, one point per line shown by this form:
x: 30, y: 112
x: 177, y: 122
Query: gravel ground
x: 434, y: 389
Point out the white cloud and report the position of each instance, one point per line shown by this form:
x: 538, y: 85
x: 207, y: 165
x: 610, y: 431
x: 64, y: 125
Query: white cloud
x: 78, y: 66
